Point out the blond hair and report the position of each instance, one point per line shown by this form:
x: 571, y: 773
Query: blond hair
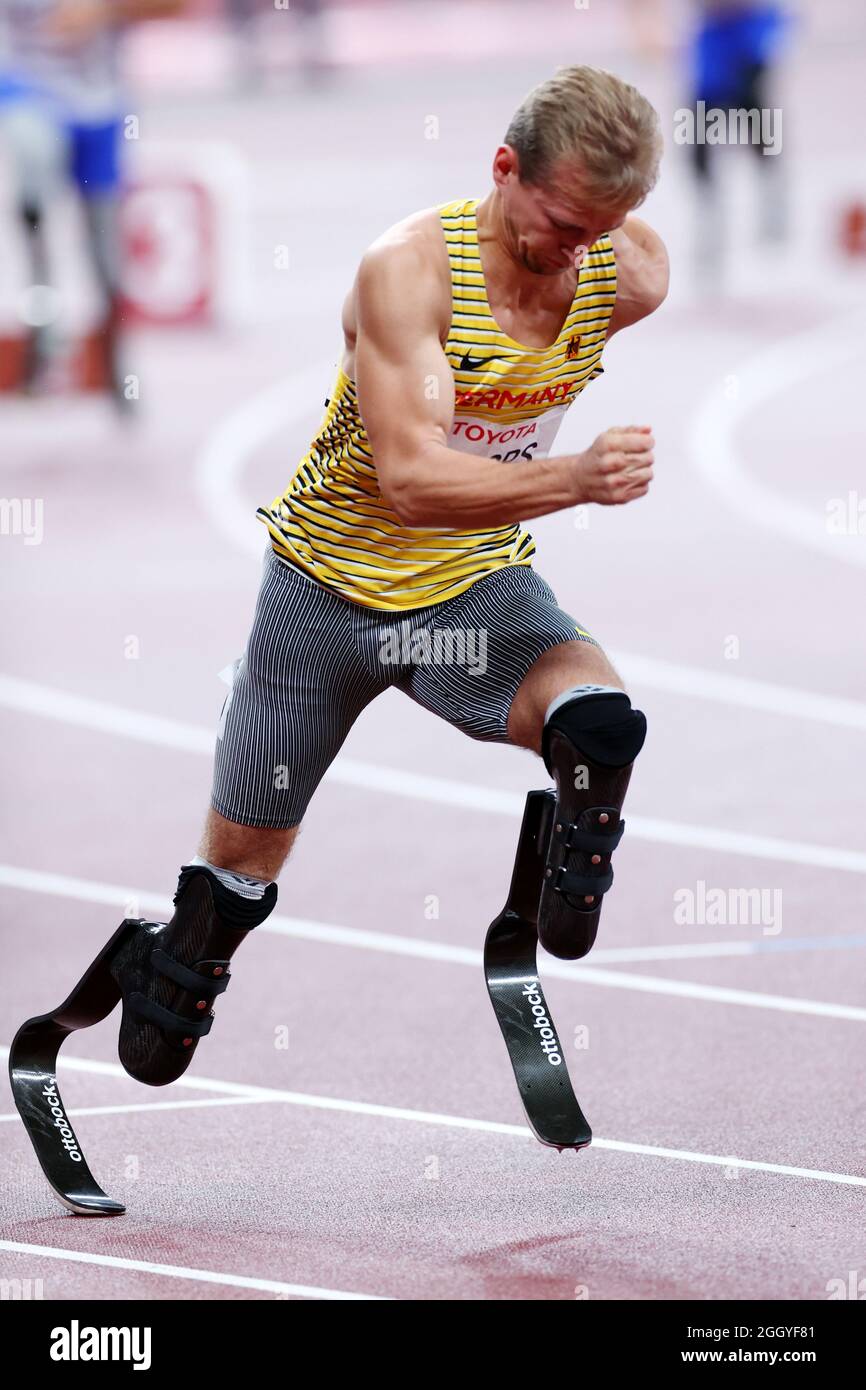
x: 586, y: 114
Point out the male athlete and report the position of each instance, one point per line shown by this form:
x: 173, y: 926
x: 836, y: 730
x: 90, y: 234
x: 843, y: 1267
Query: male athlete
x: 469, y: 331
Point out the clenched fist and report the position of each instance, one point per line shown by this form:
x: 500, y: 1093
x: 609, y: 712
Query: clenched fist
x: 618, y: 467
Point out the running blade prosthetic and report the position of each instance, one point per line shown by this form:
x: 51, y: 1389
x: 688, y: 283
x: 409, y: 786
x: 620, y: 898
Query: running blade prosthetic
x: 534, y: 1049
x: 33, y: 1074
x: 168, y: 975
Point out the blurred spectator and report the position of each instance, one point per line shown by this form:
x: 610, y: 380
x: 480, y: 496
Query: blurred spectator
x: 733, y: 56
x: 61, y: 117
x: 733, y: 48
x: 308, y: 32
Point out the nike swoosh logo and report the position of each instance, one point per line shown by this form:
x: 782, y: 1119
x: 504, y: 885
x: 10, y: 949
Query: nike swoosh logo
x: 471, y: 364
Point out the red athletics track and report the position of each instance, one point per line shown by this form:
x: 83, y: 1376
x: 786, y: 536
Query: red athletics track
x: 382, y: 1153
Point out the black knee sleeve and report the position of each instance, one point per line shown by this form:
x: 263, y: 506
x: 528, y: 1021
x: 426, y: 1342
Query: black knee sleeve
x: 600, y: 721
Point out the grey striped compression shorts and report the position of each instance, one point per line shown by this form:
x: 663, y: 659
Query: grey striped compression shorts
x: 314, y: 660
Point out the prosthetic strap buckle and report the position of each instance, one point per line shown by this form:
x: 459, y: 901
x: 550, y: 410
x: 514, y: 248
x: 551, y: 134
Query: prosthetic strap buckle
x: 574, y: 836
x: 582, y: 885
x: 579, y: 837
x: 207, y: 979
x: 168, y: 1021
x: 210, y: 977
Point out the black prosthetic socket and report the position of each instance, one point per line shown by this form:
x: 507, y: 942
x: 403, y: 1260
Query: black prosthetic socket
x: 603, y: 726
x: 589, y: 745
x: 170, y: 974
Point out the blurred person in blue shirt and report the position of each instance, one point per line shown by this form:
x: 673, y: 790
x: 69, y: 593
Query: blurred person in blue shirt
x: 733, y: 56
x: 732, y: 52
x: 61, y: 114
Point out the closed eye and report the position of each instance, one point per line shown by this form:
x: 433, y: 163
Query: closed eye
x: 564, y: 226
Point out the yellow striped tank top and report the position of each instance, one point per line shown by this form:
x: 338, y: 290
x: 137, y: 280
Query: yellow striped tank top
x: 332, y: 521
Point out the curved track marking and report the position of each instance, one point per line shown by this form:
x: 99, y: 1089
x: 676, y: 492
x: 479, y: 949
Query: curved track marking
x: 246, y: 428
x: 283, y: 405
x: 794, y: 360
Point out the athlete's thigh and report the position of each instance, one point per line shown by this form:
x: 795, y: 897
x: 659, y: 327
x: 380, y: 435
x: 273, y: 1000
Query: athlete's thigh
x: 483, y: 643
x: 295, y: 694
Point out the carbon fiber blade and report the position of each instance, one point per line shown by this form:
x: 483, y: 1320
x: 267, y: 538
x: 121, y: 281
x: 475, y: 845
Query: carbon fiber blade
x: 535, y: 1052
x: 33, y: 1075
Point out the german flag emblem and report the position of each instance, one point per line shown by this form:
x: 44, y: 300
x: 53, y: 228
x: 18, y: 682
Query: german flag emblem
x: 572, y: 349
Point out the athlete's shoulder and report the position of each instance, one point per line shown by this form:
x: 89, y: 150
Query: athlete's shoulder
x: 414, y: 243
x: 642, y: 272
x: 407, y: 265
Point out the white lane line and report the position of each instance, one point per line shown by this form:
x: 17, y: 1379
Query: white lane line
x: 803, y: 357
x: 392, y: 1112
x: 444, y: 792
x: 84, y: 713
x: 667, y: 832
x: 58, y: 885
x: 732, y: 1161
x: 685, y: 989
x: 285, y: 403
x: 138, y: 1107
x: 200, y: 1276
x: 713, y: 950
x: 740, y: 691
x: 31, y: 698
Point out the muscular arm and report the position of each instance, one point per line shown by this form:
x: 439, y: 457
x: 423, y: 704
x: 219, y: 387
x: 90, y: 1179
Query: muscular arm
x: 642, y: 273
x: 406, y: 397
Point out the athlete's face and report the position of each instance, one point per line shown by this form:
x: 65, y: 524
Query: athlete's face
x: 548, y: 225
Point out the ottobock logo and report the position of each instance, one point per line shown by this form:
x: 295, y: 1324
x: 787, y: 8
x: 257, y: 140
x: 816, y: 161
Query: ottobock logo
x: 547, y: 1038
x: 67, y: 1138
